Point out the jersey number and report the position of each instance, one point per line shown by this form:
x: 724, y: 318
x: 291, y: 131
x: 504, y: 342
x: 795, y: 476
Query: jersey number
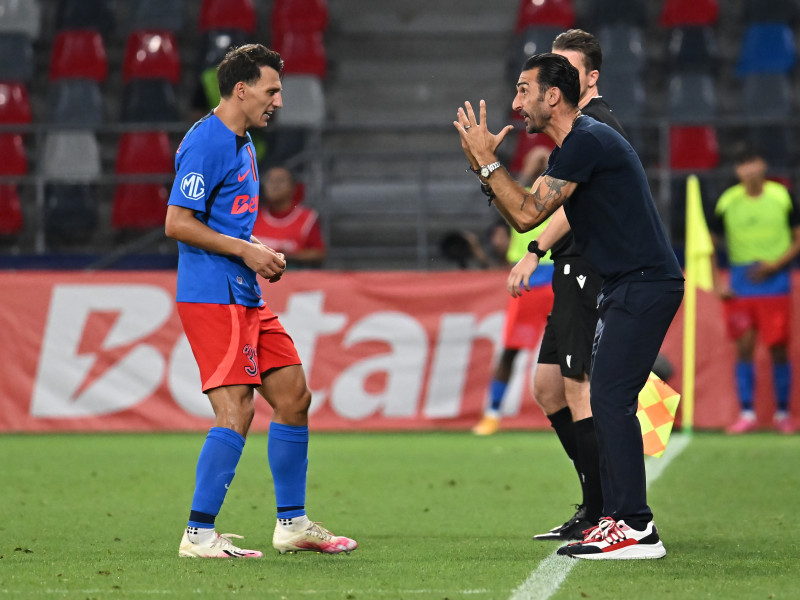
x: 243, y: 204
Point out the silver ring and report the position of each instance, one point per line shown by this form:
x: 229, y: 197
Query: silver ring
x: 467, y: 127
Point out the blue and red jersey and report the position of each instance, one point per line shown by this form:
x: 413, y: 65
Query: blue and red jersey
x: 217, y: 177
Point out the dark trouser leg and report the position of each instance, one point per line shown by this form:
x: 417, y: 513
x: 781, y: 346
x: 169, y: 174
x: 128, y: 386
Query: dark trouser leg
x: 634, y: 318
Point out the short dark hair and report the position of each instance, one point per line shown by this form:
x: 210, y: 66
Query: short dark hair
x: 583, y: 42
x: 555, y: 71
x: 746, y: 152
x: 244, y: 64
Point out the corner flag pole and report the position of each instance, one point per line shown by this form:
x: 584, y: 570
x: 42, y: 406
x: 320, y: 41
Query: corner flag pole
x: 698, y: 251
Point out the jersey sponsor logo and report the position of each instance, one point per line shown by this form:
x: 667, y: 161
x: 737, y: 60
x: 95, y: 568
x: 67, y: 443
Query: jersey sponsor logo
x: 193, y: 186
x: 581, y: 280
x: 243, y: 204
x: 243, y: 176
x: 250, y: 353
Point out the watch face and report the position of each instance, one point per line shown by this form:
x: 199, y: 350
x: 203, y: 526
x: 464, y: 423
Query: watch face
x: 484, y: 172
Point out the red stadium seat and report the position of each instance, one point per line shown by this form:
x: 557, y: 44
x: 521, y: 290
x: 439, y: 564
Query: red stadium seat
x: 151, y: 55
x: 11, y: 220
x: 227, y: 14
x: 525, y: 143
x: 79, y: 53
x: 693, y: 147
x: 144, y: 152
x: 303, y: 53
x: 139, y: 206
x: 679, y: 13
x: 298, y: 15
x: 13, y: 152
x: 535, y: 13
x: 15, y: 104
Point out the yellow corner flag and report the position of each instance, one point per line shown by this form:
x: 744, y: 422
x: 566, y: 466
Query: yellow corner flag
x: 698, y: 251
x: 658, y: 404
x: 699, y: 247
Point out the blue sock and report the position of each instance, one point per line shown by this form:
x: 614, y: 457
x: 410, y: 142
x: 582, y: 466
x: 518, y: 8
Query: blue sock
x: 497, y: 389
x: 782, y: 380
x: 745, y: 381
x: 287, y: 451
x: 215, y: 470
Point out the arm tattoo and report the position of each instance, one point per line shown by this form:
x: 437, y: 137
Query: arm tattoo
x: 551, y: 200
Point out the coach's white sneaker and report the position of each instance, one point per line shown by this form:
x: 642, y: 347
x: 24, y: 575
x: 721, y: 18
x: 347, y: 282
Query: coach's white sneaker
x: 219, y: 547
x: 614, y: 540
x: 312, y: 537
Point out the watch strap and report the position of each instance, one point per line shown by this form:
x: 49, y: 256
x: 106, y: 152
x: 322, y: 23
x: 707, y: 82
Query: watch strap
x: 533, y: 248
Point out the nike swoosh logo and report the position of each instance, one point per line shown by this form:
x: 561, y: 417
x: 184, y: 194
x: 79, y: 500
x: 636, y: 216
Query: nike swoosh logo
x: 242, y: 177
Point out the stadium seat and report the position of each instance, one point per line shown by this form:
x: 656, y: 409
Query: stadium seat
x: 11, y: 218
x: 70, y: 213
x: 76, y: 102
x: 304, y: 102
x: 149, y: 101
x: 692, y: 48
x: 623, y: 48
x: 776, y: 143
x: 144, y: 152
x: 71, y: 156
x: 524, y: 144
x: 15, y: 105
x: 680, y: 13
x: 693, y: 147
x: 21, y: 16
x: 156, y: 14
x: 536, y: 13
x: 303, y: 53
x: 216, y: 43
x: 624, y: 92
x: 151, y: 55
x: 766, y: 11
x: 138, y: 206
x: 283, y: 143
x: 13, y: 152
x: 532, y: 40
x: 16, y: 57
x: 79, y: 53
x: 298, y: 16
x: 767, y: 48
x: 227, y: 14
x: 607, y: 12
x: 767, y: 95
x: 692, y: 97
x: 86, y: 14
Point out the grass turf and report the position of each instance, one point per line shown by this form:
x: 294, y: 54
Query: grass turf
x: 437, y: 515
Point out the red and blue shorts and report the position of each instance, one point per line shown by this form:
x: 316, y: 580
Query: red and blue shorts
x: 234, y: 344
x: 770, y: 316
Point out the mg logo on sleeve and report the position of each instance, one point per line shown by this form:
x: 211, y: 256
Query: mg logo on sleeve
x: 193, y: 186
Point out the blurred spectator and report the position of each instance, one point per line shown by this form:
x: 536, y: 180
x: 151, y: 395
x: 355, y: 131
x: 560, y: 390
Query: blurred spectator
x: 284, y: 225
x: 760, y: 226
x: 468, y: 250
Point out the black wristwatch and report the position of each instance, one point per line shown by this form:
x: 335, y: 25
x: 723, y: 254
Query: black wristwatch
x: 533, y: 248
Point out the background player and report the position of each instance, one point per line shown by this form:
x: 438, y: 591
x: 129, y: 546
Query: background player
x: 757, y: 222
x: 237, y: 341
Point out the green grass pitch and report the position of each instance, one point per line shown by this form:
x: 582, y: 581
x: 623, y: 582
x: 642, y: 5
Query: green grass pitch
x: 437, y: 515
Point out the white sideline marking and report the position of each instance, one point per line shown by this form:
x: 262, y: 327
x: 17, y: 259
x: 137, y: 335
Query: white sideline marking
x: 553, y: 570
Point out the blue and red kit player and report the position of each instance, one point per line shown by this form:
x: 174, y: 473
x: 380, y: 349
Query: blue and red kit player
x: 238, y: 343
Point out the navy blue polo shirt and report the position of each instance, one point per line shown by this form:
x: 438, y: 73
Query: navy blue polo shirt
x: 611, y: 213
